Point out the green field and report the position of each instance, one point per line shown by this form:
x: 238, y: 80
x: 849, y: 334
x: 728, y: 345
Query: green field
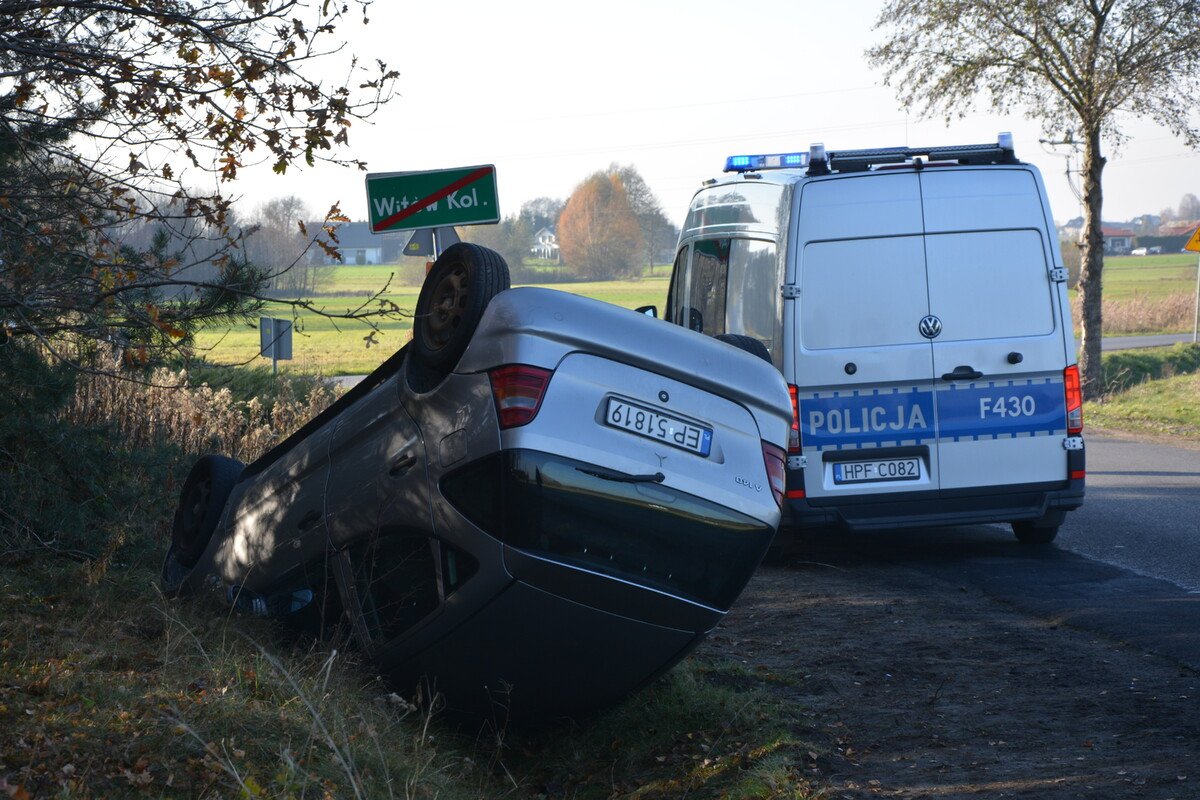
x: 1153, y: 276
x: 336, y: 347
x: 332, y: 347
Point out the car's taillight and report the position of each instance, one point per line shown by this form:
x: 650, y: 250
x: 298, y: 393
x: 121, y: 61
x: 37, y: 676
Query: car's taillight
x: 794, y: 433
x: 1074, y: 400
x: 775, y: 460
x: 518, y: 390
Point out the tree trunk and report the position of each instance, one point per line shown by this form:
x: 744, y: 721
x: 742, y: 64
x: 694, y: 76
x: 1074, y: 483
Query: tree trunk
x: 1090, y: 371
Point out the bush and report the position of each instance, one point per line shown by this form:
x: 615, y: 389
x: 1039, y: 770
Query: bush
x: 1126, y: 368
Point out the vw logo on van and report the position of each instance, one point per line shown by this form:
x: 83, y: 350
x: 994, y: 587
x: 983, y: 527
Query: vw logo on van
x: 930, y: 326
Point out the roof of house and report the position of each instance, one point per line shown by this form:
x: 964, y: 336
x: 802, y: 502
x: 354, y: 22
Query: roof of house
x: 1178, y: 228
x: 355, y: 235
x: 1110, y: 231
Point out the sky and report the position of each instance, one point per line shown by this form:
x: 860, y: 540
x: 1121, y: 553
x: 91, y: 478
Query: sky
x: 552, y: 92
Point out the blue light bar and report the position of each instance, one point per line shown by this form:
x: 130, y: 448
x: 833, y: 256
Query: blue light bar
x: 770, y: 161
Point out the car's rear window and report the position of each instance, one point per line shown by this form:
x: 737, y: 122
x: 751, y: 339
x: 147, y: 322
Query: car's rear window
x: 645, y: 533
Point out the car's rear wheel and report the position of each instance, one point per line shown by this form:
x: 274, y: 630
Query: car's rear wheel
x: 462, y: 282
x: 201, y: 502
x: 1037, y: 531
x: 748, y: 343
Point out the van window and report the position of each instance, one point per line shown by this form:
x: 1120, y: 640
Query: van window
x: 731, y: 285
x: 758, y: 205
x: 989, y: 284
x: 709, y: 270
x: 862, y: 292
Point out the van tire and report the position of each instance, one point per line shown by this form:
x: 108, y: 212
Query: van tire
x: 453, y: 297
x: 748, y: 343
x: 1029, y: 532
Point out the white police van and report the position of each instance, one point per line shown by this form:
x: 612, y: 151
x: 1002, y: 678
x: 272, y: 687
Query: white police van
x: 915, y: 300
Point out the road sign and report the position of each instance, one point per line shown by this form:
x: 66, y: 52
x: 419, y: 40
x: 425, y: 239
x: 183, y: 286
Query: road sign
x: 275, y: 340
x: 422, y: 244
x: 1193, y: 243
x: 435, y: 198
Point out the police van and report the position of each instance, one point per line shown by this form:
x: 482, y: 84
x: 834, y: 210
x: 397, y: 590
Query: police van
x: 915, y: 301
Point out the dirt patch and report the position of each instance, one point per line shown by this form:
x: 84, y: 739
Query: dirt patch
x: 924, y: 689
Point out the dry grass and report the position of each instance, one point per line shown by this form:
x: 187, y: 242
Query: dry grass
x: 197, y: 419
x: 1143, y: 313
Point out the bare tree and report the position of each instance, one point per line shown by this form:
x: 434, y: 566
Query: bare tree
x: 1074, y: 65
x: 276, y: 243
x: 112, y: 113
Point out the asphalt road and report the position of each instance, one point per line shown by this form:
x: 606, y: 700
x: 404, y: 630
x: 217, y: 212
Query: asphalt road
x: 1125, y: 566
x: 1133, y: 342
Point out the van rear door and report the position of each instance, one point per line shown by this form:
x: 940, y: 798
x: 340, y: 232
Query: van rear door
x: 865, y: 402
x: 999, y: 356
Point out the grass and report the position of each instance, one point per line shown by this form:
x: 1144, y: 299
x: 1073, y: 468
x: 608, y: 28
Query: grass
x: 1155, y: 390
x: 1155, y: 276
x: 109, y: 690
x: 1128, y: 368
x: 1169, y: 406
x: 329, y: 347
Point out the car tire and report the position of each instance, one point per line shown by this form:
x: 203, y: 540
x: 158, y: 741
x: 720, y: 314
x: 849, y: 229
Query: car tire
x: 748, y: 343
x: 1030, y: 532
x: 201, y: 503
x: 453, y: 297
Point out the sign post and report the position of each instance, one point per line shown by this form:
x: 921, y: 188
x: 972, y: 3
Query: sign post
x: 1193, y: 245
x: 441, y: 198
x: 275, y: 340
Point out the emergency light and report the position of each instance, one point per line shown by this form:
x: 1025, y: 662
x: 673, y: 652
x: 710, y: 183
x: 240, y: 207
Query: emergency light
x: 766, y: 161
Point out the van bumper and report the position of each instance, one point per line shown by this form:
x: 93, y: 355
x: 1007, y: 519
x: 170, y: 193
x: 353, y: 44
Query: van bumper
x: 969, y: 506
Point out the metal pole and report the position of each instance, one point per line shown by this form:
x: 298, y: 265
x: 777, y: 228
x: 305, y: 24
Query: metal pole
x: 1196, y: 321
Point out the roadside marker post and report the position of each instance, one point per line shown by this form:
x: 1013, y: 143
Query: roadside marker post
x: 1193, y: 245
x: 275, y: 341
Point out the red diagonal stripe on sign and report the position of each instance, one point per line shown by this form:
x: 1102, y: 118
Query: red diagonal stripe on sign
x: 470, y: 177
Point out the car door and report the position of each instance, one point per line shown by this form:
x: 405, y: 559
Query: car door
x: 377, y: 476
x: 999, y: 353
x: 278, y: 524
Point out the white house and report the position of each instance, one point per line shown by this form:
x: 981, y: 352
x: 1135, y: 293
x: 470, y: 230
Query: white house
x: 545, y: 244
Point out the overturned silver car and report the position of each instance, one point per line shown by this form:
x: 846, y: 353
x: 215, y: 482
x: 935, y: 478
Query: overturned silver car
x: 543, y: 501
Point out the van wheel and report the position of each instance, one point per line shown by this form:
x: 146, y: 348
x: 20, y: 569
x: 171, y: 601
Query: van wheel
x: 748, y: 343
x: 453, y: 297
x: 1030, y: 532
x: 201, y: 503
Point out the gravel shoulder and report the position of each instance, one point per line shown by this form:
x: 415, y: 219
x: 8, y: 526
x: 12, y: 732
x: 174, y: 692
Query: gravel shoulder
x: 921, y: 688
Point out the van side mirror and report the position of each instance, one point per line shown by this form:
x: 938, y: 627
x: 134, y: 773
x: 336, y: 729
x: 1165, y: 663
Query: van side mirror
x: 649, y: 311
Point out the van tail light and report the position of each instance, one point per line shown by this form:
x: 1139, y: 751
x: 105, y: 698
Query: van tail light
x: 1074, y: 400
x: 518, y: 390
x: 775, y: 460
x: 794, y: 433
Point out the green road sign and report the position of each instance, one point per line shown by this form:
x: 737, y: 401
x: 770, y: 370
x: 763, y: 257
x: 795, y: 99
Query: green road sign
x: 406, y: 200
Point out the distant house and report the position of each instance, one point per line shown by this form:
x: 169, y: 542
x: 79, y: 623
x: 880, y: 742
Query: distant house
x: 1117, y: 241
x: 545, y: 244
x: 358, y: 245
x: 1182, y: 227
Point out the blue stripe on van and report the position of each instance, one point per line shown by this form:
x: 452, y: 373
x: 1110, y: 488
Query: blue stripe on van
x: 996, y: 409
x: 860, y: 419
x: 965, y: 412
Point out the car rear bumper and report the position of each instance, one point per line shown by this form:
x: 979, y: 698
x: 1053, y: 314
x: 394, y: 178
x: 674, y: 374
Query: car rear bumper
x: 934, y: 508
